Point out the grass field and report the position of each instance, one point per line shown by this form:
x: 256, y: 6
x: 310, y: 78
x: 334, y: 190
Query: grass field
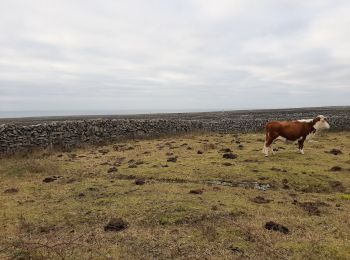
x: 179, y: 198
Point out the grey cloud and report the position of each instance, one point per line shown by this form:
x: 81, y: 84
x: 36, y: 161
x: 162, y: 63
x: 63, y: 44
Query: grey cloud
x: 173, y: 55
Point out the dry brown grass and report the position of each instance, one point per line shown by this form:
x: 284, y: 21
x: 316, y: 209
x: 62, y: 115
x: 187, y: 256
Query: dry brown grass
x: 65, y: 218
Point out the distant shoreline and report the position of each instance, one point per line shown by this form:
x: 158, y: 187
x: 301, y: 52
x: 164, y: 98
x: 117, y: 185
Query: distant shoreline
x: 207, y: 116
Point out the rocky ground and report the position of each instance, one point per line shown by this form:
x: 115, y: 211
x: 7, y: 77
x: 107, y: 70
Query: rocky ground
x: 204, y: 196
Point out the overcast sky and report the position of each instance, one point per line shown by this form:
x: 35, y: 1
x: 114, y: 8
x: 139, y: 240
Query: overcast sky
x: 173, y: 55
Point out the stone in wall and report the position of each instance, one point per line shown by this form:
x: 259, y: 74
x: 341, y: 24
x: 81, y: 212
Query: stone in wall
x: 74, y: 133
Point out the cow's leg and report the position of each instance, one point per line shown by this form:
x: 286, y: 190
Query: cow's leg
x: 268, y: 143
x: 265, y: 148
x: 301, y: 145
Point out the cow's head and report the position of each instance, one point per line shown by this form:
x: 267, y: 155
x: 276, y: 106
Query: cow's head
x: 320, y: 122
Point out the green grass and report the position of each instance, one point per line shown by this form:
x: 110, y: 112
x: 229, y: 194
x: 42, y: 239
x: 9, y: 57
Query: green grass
x: 65, y: 219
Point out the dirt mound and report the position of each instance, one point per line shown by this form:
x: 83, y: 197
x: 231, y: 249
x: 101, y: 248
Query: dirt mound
x: 260, y: 200
x: 334, y: 151
x: 116, y: 224
x: 276, y: 227
x: 51, y: 179
x: 197, y: 191
x: 336, y: 169
x: 225, y: 150
x: 172, y: 159
x: 337, y: 186
x: 140, y: 182
x: 311, y: 208
x: 229, y: 156
x: 11, y: 190
x: 112, y: 169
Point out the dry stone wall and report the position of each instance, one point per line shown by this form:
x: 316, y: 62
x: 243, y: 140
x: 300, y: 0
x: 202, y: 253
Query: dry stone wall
x: 74, y: 133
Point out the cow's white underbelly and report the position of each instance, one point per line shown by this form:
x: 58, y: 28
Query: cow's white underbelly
x: 281, y: 139
x: 308, y: 137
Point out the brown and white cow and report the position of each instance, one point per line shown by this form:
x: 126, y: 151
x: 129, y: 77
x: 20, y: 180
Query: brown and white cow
x: 299, y: 130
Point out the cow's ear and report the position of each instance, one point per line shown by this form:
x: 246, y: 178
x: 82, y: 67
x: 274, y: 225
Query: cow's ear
x: 316, y: 120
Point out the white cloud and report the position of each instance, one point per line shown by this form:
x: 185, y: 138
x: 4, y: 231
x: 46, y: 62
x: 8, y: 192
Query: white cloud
x: 173, y: 54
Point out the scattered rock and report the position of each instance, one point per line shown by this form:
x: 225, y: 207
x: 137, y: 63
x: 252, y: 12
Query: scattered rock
x: 133, y: 165
x: 199, y: 152
x: 11, y: 190
x: 261, y: 186
x: 60, y: 155
x: 229, y: 156
x: 260, y: 200
x: 276, y: 227
x: 240, y: 146
x: 197, y: 191
x: 116, y: 224
x: 81, y: 194
x: 51, y: 179
x: 169, y: 154
x: 336, y: 169
x: 140, y: 182
x: 189, y: 148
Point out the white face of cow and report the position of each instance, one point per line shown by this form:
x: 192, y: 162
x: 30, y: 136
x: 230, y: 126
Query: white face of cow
x: 322, y: 123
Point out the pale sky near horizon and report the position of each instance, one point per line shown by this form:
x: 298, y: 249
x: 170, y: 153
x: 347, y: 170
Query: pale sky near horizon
x: 168, y: 55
